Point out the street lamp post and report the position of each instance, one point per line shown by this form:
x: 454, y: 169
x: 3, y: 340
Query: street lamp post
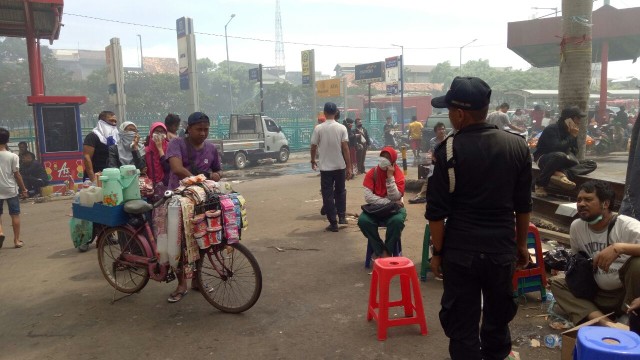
x: 401, y: 86
x: 462, y: 47
x: 226, y: 42
x: 141, y: 58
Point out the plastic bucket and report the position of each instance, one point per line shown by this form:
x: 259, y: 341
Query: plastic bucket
x: 129, y: 181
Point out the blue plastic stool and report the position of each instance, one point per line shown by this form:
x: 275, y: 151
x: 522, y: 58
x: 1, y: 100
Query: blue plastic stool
x: 599, y: 342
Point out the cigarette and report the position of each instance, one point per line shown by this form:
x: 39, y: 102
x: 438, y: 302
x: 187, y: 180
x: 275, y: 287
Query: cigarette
x: 632, y: 311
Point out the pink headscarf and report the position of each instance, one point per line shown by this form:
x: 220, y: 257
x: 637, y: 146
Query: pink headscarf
x: 154, y: 168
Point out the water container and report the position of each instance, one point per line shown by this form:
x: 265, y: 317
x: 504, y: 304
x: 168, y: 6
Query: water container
x: 111, y: 187
x: 129, y: 181
x: 85, y: 197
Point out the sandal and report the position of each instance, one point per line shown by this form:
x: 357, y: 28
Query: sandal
x: 563, y: 182
x: 177, y: 296
x: 19, y: 244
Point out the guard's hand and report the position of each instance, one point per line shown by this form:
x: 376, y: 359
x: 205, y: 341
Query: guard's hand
x: 523, y: 258
x: 605, y: 258
x: 436, y: 264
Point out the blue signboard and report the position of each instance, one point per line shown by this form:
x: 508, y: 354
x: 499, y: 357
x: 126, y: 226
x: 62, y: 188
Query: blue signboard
x: 369, y: 73
x: 306, y: 79
x: 181, y: 26
x: 392, y: 89
x: 253, y: 74
x: 391, y: 62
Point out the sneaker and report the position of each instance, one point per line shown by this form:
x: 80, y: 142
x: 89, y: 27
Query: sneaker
x: 540, y: 191
x: 83, y: 248
x: 332, y: 228
x: 342, y: 220
x: 418, y: 200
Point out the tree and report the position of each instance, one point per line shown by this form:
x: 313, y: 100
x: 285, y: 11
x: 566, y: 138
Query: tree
x: 575, y: 64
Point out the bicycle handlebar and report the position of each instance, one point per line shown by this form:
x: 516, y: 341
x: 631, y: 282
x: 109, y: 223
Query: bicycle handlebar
x: 167, y: 195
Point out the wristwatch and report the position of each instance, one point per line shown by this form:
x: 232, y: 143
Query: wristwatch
x: 435, y: 252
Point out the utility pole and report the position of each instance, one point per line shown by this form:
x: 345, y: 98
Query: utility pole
x: 226, y: 42
x: 261, y: 90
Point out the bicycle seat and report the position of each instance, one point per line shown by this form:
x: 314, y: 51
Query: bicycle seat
x: 137, y: 207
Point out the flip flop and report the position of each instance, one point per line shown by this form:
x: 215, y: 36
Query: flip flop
x: 19, y: 245
x: 175, y: 297
x: 563, y: 182
x: 1, y: 240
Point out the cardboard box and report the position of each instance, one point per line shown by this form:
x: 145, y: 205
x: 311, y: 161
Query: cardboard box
x: 568, y: 209
x: 569, y: 337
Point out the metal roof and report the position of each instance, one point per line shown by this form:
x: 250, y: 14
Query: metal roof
x: 46, y: 16
x: 538, y: 41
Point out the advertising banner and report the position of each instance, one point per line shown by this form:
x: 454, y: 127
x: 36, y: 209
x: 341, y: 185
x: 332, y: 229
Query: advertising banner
x: 328, y: 88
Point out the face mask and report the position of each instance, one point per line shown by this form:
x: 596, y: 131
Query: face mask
x: 383, y: 163
x: 595, y: 221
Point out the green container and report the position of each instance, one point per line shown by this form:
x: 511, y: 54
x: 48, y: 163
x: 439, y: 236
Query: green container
x: 129, y: 182
x: 111, y: 187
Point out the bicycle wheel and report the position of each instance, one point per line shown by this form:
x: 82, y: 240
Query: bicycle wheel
x: 229, y: 277
x: 123, y: 276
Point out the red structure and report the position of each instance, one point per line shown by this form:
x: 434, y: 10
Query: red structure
x: 57, y: 119
x: 615, y: 37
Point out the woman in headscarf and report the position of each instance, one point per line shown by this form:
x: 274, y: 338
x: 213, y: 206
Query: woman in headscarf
x: 127, y: 150
x: 155, y: 154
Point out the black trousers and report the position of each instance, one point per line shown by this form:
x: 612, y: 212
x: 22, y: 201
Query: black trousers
x: 467, y: 277
x: 552, y: 162
x: 334, y: 194
x: 568, y: 164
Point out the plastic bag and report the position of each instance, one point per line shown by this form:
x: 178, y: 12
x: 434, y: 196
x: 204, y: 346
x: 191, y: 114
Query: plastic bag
x: 81, y: 231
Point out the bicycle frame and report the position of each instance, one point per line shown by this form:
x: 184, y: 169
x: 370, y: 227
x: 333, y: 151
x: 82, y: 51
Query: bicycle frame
x: 156, y: 271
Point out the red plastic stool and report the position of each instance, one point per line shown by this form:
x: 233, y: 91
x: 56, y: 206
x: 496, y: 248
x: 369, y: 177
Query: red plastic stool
x: 384, y: 270
x: 533, y: 278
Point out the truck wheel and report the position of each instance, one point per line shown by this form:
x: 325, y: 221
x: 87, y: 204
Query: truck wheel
x: 283, y: 155
x: 240, y: 160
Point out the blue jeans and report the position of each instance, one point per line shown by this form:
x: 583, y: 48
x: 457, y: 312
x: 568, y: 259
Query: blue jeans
x: 334, y: 194
x: 13, y: 204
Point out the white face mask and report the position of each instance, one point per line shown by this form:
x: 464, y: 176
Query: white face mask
x: 159, y: 136
x: 383, y: 163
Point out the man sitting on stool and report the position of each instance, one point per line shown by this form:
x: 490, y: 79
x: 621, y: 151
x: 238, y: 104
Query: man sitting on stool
x: 382, y: 185
x: 618, y: 264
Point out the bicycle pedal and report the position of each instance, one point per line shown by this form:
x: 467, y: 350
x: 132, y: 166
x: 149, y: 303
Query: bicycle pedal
x: 170, y: 277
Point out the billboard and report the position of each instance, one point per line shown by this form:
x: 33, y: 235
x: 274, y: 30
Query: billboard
x: 328, y: 88
x: 370, y: 73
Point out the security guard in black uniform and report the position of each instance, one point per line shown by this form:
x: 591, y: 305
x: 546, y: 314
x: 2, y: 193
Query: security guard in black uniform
x: 482, y: 176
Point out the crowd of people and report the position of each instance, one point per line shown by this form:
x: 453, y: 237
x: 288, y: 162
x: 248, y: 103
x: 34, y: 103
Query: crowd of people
x: 479, y: 201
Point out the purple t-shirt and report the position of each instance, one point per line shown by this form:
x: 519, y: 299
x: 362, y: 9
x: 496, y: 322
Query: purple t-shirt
x: 204, y: 160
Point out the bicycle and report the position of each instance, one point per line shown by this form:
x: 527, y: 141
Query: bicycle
x: 228, y: 275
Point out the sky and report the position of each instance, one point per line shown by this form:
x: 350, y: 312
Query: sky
x: 340, y: 31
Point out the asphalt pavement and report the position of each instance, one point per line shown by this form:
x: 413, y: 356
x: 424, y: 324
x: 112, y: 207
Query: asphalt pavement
x: 55, y: 303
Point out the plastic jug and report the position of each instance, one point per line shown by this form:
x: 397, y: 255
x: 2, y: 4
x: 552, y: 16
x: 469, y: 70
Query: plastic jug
x: 90, y: 196
x: 111, y: 187
x: 129, y: 181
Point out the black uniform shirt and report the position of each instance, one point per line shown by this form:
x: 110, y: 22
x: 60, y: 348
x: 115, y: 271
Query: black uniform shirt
x: 493, y: 180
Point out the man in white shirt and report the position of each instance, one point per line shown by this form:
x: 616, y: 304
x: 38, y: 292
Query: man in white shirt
x: 331, y: 140
x: 615, y: 253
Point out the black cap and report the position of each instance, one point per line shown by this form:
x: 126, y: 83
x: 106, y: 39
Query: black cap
x: 466, y: 93
x: 197, y: 117
x: 571, y: 112
x: 330, y: 108
x: 349, y: 121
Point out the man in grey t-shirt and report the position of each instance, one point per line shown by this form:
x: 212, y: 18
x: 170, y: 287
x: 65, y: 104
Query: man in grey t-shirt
x: 500, y: 119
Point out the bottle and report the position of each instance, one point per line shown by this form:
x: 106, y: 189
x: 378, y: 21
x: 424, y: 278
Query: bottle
x: 553, y: 341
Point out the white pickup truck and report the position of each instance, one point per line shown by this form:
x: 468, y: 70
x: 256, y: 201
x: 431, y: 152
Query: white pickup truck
x: 251, y: 138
